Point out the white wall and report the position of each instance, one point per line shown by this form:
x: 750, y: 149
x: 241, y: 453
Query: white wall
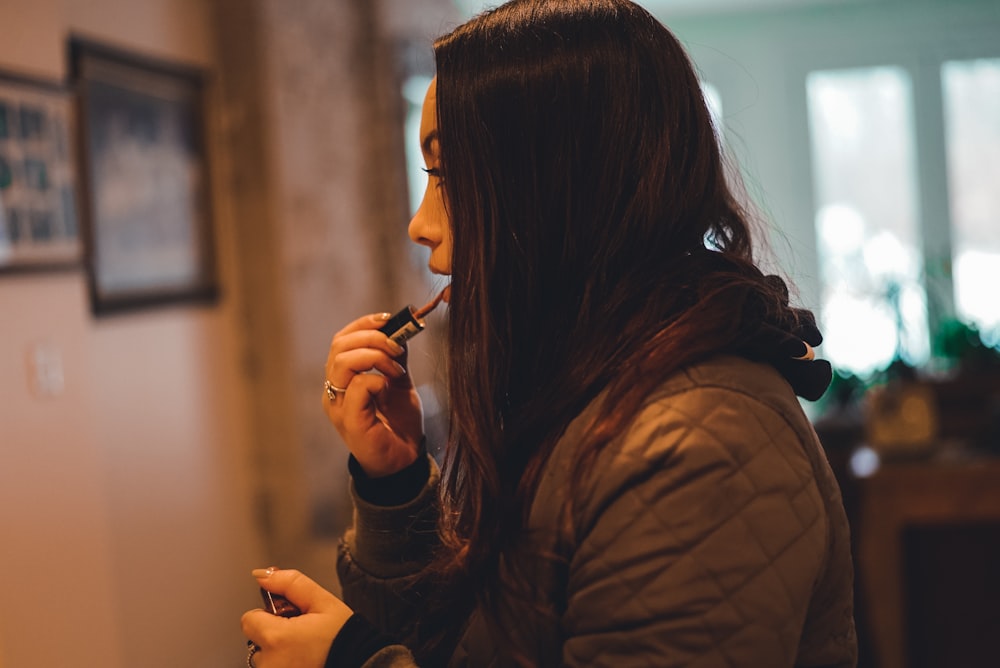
x: 125, y: 503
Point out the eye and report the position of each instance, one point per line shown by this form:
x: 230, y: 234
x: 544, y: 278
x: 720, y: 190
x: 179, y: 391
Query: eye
x: 433, y: 171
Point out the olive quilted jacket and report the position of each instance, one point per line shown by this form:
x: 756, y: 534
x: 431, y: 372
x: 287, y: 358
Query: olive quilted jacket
x: 711, y: 534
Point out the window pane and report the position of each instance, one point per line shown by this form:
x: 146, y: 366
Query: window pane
x: 972, y: 124
x: 873, y: 303
x: 713, y: 100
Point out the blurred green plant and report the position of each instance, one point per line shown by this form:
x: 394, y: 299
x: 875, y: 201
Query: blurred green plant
x: 961, y: 346
x: 844, y: 393
x: 958, y: 348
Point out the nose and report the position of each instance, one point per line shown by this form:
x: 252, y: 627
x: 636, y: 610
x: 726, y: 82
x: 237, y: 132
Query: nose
x: 422, y: 228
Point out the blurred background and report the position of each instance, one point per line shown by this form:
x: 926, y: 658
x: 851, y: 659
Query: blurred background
x: 196, y: 194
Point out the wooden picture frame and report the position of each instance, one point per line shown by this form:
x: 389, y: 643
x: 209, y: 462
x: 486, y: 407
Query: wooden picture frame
x: 38, y: 212
x: 146, y: 211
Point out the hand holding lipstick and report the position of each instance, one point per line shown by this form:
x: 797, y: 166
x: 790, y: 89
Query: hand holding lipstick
x: 379, y: 415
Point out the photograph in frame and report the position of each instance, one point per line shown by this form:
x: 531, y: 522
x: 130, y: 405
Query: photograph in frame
x: 144, y: 171
x: 38, y: 213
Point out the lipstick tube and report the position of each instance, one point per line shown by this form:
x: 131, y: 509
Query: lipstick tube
x: 409, y: 322
x: 403, y: 326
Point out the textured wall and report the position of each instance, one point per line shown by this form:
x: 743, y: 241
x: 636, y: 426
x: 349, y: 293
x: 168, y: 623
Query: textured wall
x: 315, y: 166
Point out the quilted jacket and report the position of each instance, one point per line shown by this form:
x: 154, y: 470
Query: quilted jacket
x: 711, y: 533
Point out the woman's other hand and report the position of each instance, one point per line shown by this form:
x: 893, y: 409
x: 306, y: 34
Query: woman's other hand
x: 378, y: 415
x: 296, y: 642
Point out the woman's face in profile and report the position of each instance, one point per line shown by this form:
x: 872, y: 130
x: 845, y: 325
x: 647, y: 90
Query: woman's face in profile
x: 431, y: 226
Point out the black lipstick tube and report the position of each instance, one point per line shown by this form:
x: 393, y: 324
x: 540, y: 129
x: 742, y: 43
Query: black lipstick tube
x: 403, y: 326
x: 409, y: 322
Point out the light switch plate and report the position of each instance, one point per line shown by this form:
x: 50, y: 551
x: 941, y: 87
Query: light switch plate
x: 45, y: 370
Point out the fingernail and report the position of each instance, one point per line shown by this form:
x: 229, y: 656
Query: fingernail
x: 395, y: 347
x: 263, y: 572
x: 383, y: 316
x: 400, y: 367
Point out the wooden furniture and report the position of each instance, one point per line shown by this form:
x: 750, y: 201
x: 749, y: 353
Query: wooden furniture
x: 902, y: 495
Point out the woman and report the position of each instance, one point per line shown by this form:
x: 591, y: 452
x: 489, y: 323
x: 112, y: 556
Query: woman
x: 629, y: 478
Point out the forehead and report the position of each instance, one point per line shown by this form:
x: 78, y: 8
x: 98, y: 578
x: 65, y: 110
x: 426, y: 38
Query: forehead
x: 428, y: 120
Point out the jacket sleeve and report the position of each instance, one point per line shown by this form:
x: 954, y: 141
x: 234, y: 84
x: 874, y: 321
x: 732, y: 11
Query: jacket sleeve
x: 381, y: 557
x: 699, y: 540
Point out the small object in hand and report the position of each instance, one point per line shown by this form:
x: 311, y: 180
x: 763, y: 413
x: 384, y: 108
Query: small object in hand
x: 409, y: 321
x: 278, y: 605
x: 426, y: 309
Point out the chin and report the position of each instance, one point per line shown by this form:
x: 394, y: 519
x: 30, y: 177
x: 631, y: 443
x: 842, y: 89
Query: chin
x: 439, y: 270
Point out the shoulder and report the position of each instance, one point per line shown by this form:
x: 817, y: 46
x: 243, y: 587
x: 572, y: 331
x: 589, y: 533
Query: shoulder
x: 728, y: 432
x: 728, y: 408
x: 754, y: 386
x: 688, y: 523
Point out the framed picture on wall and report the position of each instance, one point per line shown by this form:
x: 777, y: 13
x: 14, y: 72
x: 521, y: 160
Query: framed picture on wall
x: 145, y: 198
x: 38, y: 228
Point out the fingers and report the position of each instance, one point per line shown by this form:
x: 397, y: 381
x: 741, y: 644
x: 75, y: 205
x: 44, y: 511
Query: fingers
x: 359, y: 349
x: 308, y: 596
x: 349, y: 364
x: 363, y: 334
x: 367, y: 323
x: 299, y: 641
x: 370, y: 398
x: 359, y: 402
x: 298, y: 588
x: 260, y: 627
x: 381, y: 426
x: 367, y: 338
x: 353, y: 403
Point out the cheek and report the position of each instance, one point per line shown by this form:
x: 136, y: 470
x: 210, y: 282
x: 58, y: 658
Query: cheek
x: 444, y: 220
x: 435, y: 197
x: 445, y: 248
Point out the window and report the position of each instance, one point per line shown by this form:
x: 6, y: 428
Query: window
x: 971, y: 91
x: 861, y: 130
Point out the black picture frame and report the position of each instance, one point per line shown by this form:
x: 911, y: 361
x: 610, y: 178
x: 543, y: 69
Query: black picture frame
x: 38, y: 209
x: 146, y: 204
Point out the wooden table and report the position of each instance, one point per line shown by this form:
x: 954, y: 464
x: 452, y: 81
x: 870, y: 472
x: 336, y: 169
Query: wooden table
x: 901, y: 495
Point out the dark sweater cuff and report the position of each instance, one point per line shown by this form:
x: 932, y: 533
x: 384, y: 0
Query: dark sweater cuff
x: 395, y: 489
x: 356, y: 642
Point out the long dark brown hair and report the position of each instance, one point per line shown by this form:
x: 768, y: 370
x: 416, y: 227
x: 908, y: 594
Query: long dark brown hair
x: 597, y: 247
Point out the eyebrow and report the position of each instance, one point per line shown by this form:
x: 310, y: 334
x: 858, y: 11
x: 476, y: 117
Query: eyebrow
x: 425, y: 145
